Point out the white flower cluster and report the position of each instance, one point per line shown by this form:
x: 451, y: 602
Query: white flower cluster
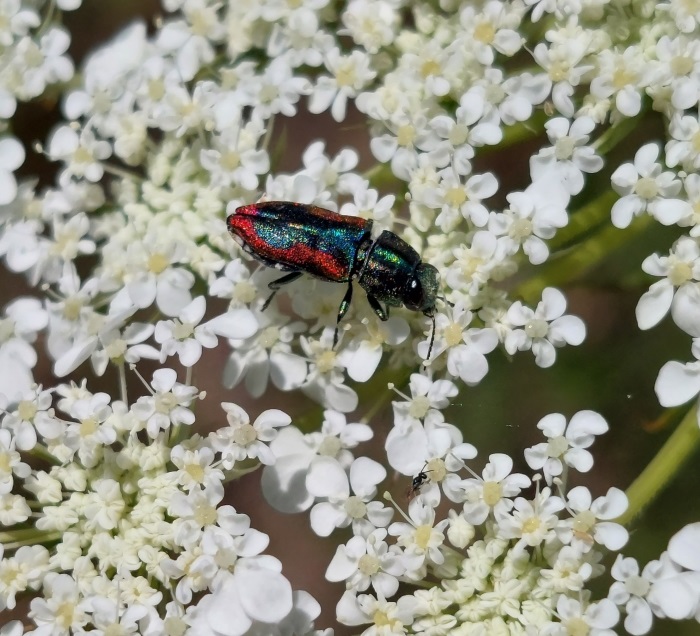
x: 136, y: 524
x: 167, y: 132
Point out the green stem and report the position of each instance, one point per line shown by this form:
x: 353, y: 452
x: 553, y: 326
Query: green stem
x: 13, y: 539
x: 661, y: 470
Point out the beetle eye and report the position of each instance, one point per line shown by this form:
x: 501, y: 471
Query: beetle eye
x: 414, y: 296
x: 421, y: 291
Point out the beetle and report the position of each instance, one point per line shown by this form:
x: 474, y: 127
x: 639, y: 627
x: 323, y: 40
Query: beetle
x: 306, y: 239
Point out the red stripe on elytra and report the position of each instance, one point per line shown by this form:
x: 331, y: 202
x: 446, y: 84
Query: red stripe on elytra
x: 254, y: 209
x: 299, y: 254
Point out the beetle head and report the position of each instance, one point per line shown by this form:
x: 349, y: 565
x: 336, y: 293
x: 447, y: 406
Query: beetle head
x: 422, y: 289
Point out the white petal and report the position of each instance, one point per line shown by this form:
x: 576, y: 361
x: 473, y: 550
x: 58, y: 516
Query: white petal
x: 74, y: 357
x: 567, y: 329
x: 677, y: 383
x: 265, y: 594
x: 326, y: 478
x: 639, y: 617
x: 684, y: 547
x: 624, y: 210
x: 364, y: 361
x: 612, y: 535
x: 669, y: 211
x: 237, y: 324
x: 190, y: 352
x: 685, y: 309
x: 284, y: 484
x: 11, y: 154
x: 545, y: 355
x: 326, y: 517
x: 287, y: 370
x: 675, y: 596
x: 365, y: 474
x: 8, y: 187
x: 654, y: 304
x: 195, y: 311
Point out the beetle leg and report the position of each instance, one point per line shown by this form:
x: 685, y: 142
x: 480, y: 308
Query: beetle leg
x: 378, y: 309
x: 342, y: 310
x: 276, y: 284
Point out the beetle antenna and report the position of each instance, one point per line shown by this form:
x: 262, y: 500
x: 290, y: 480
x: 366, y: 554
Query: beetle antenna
x: 444, y: 300
x: 432, y: 339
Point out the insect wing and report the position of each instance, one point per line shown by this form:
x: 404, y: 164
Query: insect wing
x: 297, y: 237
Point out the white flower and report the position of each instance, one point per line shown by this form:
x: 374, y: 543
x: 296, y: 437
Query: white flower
x: 365, y: 561
x: 473, y: 265
x: 466, y: 346
x: 644, y: 188
x: 411, y: 444
x: 93, y: 430
x: 243, y: 439
x: 10, y: 463
x: 491, y: 493
x: 566, y: 443
x: 399, y: 145
x: 32, y: 414
x: 677, y: 69
x: 426, y: 394
x: 533, y: 523
x: 327, y: 478
x: 284, y: 483
x: 153, y: 277
x: 191, y: 43
x: 37, y: 64
x: 267, y: 355
x: 234, y: 158
x: 544, y: 328
x: 168, y: 405
x: 255, y: 597
x: 568, y: 156
x: 382, y: 615
x: 363, y: 354
x: 681, y: 150
x: 457, y: 200
x: 563, y: 64
x: 595, y: 618
x: 630, y: 589
x: 422, y: 537
x: 532, y: 216
x: 198, y: 511
x: 11, y: 157
x: 82, y: 153
x: 367, y: 204
x: 591, y: 519
x: 371, y: 23
x: 62, y: 607
x: 186, y: 337
x: 679, y: 269
x: 351, y: 73
x: 335, y: 173
x: 621, y: 74
x: 492, y: 27
x: 278, y: 90
x: 324, y: 381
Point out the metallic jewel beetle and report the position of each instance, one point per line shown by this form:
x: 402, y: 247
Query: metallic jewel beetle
x: 305, y: 239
